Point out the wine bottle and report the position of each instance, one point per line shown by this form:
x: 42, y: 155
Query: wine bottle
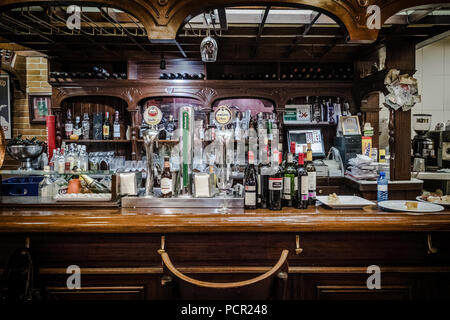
x: 276, y: 183
x: 172, y: 76
x: 93, y: 185
x: 311, y: 169
x: 250, y: 183
x: 290, y: 181
x: 284, y: 76
x: 303, y: 184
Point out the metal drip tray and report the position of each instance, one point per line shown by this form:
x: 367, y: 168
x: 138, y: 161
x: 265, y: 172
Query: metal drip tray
x: 184, y: 205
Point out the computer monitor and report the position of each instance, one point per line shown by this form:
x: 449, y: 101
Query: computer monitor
x: 303, y: 137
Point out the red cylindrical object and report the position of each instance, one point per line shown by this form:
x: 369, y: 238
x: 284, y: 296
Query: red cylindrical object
x: 50, y: 121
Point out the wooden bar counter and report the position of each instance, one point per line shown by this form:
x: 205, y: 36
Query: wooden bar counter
x: 329, y: 251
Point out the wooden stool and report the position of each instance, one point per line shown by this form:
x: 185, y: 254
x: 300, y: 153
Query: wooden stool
x: 270, y: 285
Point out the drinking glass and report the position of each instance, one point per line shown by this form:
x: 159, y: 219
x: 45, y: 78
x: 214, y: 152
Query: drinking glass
x: 224, y: 182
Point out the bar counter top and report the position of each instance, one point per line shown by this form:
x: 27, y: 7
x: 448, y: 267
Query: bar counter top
x: 122, y: 220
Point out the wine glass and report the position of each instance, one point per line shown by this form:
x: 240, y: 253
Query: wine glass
x: 224, y: 182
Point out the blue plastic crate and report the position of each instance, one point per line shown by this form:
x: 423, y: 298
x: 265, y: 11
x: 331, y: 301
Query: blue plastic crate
x: 21, y: 186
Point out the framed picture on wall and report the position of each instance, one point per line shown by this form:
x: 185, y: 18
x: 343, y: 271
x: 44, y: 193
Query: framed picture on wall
x: 39, y: 105
x: 5, y: 105
x: 349, y: 125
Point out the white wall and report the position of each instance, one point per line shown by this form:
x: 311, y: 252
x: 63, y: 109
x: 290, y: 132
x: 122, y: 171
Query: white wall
x: 433, y: 75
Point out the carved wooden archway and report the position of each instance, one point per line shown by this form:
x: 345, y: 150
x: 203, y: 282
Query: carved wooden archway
x: 163, y: 18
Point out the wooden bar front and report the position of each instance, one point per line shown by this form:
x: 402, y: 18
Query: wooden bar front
x: 329, y: 251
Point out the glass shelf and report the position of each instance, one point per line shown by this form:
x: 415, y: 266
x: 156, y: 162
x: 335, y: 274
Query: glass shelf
x: 42, y: 172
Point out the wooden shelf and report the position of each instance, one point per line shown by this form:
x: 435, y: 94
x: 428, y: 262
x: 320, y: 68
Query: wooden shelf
x: 96, y: 141
x: 310, y: 124
x: 161, y: 141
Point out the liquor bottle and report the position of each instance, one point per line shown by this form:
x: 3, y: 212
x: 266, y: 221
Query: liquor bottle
x: 116, y: 126
x: 303, y: 184
x: 250, y: 183
x: 85, y: 126
x: 290, y: 182
x: 83, y: 159
x: 46, y: 185
x: 106, y: 131
x: 276, y: 183
x: 52, y: 163
x: 77, y: 128
x: 170, y: 128
x: 166, y: 180
x: 93, y: 185
x: 68, y: 126
x: 311, y: 176
x: 61, y: 161
x: 324, y: 111
x: 316, y: 111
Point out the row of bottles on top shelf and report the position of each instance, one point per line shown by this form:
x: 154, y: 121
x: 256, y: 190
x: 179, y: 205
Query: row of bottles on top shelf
x: 100, y: 128
x: 181, y: 76
x: 319, y: 110
x: 318, y: 72
x: 281, y: 184
x: 95, y: 73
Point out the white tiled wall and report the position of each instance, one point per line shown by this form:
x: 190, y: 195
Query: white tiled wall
x: 433, y: 75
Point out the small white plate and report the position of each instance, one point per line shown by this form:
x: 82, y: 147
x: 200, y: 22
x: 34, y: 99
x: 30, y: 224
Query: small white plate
x: 346, y: 202
x: 441, y: 203
x: 400, y: 205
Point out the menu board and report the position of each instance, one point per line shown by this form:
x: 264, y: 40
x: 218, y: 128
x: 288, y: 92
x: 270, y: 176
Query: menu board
x: 5, y: 105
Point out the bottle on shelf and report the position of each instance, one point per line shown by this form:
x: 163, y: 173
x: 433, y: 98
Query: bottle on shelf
x: 52, y: 163
x: 276, y: 183
x: 68, y: 126
x: 116, y: 126
x: 324, y: 111
x: 290, y: 180
x: 170, y: 128
x: 61, y: 161
x: 93, y: 185
x: 85, y: 127
x: 166, y: 180
x: 303, y: 183
x: 46, y: 189
x: 382, y: 187
x: 311, y: 169
x: 83, y: 159
x: 250, y: 183
x: 77, y: 128
x: 106, y: 127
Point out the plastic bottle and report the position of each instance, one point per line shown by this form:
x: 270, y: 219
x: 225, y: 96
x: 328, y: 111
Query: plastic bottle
x: 382, y: 187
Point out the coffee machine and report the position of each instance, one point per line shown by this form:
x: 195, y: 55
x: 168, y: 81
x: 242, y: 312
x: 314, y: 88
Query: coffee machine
x: 423, y: 147
x: 441, y: 148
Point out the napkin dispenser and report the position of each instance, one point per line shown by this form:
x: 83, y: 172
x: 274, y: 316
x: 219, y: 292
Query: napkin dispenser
x: 130, y: 183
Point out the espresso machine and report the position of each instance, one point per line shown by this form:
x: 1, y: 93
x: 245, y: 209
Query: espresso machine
x: 441, y: 148
x: 423, y: 147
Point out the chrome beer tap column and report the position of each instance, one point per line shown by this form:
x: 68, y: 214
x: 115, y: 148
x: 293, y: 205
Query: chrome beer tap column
x: 152, y: 117
x: 186, y: 120
x: 150, y: 136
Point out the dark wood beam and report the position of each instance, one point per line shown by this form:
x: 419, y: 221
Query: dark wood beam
x: 260, y: 30
x: 222, y: 19
x: 305, y: 32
